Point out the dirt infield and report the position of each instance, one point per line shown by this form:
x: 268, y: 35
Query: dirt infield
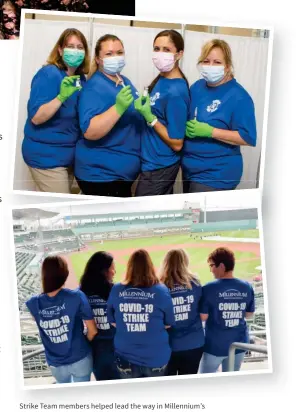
x: 72, y: 282
x: 119, y: 255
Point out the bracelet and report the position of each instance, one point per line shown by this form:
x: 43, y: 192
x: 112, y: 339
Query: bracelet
x: 154, y: 121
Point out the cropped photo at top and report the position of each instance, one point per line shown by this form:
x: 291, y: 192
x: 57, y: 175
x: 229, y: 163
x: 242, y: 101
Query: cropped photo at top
x: 10, y: 11
x: 133, y: 108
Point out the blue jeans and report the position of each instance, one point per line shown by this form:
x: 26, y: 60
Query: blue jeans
x: 104, y: 360
x: 210, y: 363
x: 74, y: 372
x: 129, y: 370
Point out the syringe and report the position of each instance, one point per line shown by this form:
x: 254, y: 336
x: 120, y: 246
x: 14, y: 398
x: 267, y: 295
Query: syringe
x: 195, y: 113
x: 120, y: 80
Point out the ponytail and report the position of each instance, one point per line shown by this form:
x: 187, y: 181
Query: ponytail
x: 153, y: 84
x: 93, y: 68
x: 185, y: 78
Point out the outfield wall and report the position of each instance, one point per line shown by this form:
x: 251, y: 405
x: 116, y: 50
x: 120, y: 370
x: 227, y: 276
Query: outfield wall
x: 224, y: 226
x: 138, y: 231
x: 135, y: 227
x: 228, y: 215
x: 134, y: 233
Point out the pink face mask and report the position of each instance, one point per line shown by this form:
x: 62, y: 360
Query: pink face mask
x: 163, y: 61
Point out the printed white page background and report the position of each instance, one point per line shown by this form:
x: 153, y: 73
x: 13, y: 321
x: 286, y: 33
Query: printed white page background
x: 242, y: 393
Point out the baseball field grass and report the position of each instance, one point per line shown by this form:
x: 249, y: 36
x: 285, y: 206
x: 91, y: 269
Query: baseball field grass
x: 247, y: 254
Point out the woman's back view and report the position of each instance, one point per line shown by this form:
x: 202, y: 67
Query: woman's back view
x: 187, y: 336
x: 142, y: 309
x: 60, y: 314
x: 96, y: 282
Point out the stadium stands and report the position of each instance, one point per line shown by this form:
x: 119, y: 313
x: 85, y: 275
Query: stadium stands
x: 32, y: 246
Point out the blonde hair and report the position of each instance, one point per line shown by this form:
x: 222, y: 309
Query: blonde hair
x: 223, y: 46
x: 175, y: 270
x: 56, y: 59
x: 140, y: 270
x: 94, y: 65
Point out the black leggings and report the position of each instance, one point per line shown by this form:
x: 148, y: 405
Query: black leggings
x: 117, y: 188
x: 190, y: 186
x: 185, y: 362
x: 157, y: 182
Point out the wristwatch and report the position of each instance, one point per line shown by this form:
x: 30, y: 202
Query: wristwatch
x: 154, y: 121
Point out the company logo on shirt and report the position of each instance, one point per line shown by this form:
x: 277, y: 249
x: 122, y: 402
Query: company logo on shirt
x: 233, y: 294
x: 178, y: 288
x: 213, y: 106
x: 52, y: 311
x: 95, y: 300
x: 154, y: 98
x: 136, y: 293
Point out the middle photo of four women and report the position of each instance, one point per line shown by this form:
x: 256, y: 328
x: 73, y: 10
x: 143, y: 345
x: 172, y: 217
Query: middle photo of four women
x: 87, y: 120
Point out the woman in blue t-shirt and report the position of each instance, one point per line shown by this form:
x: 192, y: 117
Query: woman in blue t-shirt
x: 96, y: 283
x: 187, y: 336
x: 166, y: 110
x: 222, y: 119
x: 141, y: 309
x: 226, y: 304
x: 60, y: 315
x: 107, y: 159
x: 52, y: 127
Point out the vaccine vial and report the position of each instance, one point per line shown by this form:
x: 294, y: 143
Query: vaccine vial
x: 145, y: 93
x: 78, y: 83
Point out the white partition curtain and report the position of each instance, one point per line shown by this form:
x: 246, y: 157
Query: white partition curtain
x: 250, y: 67
x: 40, y: 36
x: 250, y: 55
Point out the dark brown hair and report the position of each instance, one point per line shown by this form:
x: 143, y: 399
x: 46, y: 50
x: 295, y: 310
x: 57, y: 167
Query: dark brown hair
x: 140, y: 270
x: 94, y: 279
x: 106, y: 37
x: 178, y: 41
x: 54, y: 273
x: 223, y: 255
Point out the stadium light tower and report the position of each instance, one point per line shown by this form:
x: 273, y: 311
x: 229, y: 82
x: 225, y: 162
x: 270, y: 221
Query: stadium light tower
x: 71, y: 221
x: 39, y: 237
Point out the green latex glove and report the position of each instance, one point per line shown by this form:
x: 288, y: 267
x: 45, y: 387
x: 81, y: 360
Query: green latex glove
x: 142, y: 105
x: 68, y: 88
x: 123, y: 100
x: 194, y: 128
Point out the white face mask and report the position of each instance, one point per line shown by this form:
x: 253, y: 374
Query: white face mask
x: 114, y: 64
x: 212, y: 74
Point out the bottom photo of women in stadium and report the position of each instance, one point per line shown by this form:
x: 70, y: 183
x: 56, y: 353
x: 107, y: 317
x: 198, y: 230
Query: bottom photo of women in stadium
x: 128, y: 289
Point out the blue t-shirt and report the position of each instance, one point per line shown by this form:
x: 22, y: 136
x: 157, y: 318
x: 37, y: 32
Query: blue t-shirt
x: 52, y: 143
x: 99, y: 308
x: 188, y: 332
x: 226, y: 301
x: 140, y: 315
x: 115, y: 156
x: 210, y: 161
x: 170, y: 103
x: 59, y: 320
